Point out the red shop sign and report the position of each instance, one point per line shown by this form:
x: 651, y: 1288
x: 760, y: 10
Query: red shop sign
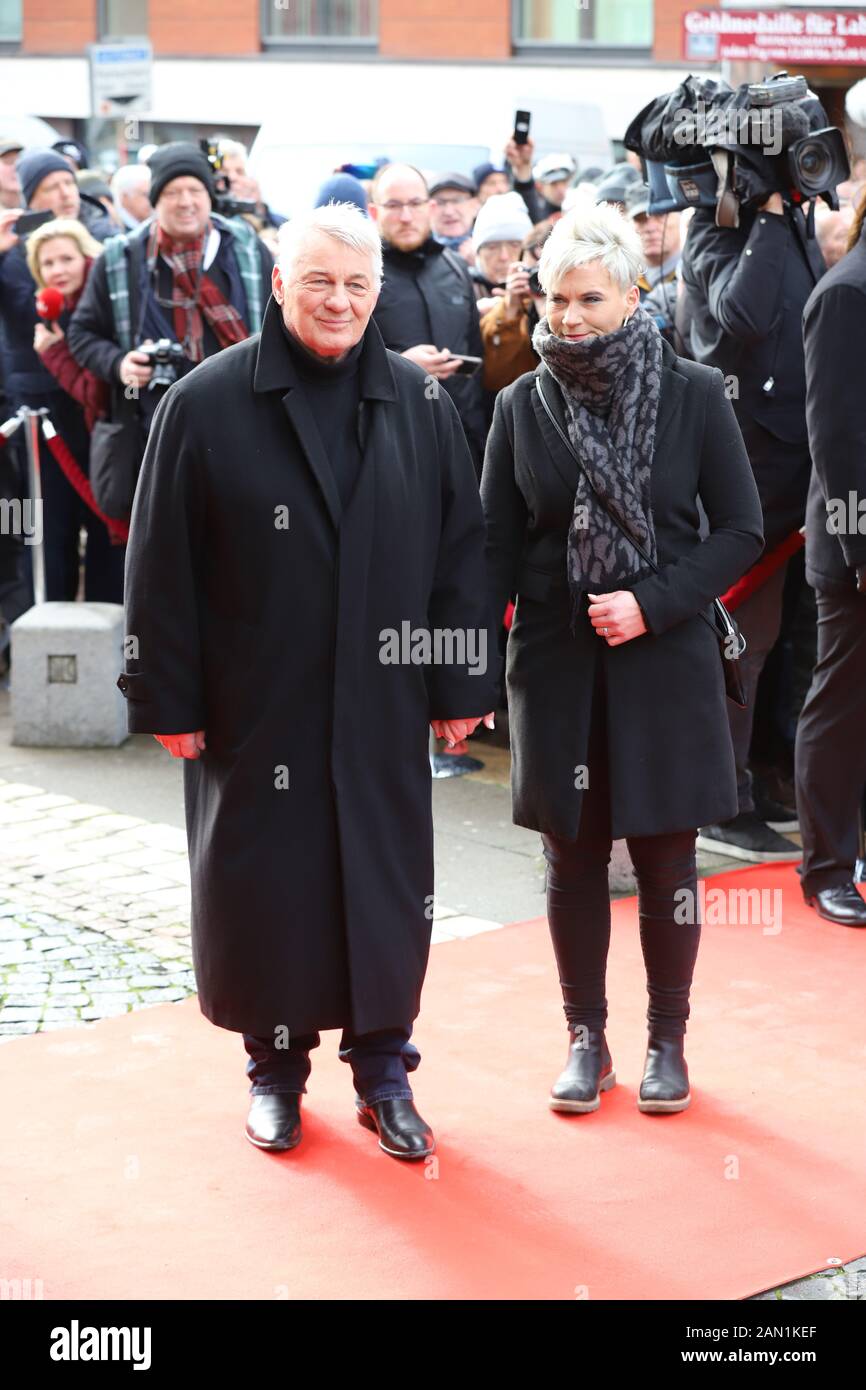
x: 779, y: 38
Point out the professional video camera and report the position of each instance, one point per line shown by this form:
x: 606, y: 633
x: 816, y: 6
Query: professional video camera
x: 166, y: 357
x: 708, y: 144
x: 224, y: 203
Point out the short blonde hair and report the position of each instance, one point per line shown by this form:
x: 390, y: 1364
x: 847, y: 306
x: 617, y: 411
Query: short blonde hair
x: 59, y: 227
x: 586, y: 234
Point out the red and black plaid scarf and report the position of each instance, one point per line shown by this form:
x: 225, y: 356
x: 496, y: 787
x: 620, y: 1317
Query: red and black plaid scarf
x: 190, y: 282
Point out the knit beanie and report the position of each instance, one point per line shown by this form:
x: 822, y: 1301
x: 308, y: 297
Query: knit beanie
x: 502, y: 218
x: 35, y: 165
x: 179, y: 159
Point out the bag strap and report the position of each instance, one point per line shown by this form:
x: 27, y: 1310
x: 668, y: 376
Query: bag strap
x: 246, y: 248
x: 723, y: 617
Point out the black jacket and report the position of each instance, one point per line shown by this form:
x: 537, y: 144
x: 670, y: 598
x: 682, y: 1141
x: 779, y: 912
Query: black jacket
x: 427, y: 296
x: 834, y: 329
x: 747, y: 287
x: 260, y: 603
x: 671, y: 760
x: 91, y: 334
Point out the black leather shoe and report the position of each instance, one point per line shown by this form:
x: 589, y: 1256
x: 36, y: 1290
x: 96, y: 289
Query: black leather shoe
x: 842, y: 904
x: 402, y: 1133
x: 588, y: 1072
x: 665, y: 1084
x: 274, y: 1121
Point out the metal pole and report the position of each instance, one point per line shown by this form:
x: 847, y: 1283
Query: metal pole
x: 34, y: 488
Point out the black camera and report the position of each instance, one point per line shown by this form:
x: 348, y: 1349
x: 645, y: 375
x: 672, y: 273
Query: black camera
x: 710, y: 145
x: 534, y: 283
x: 224, y: 203
x: 165, y: 357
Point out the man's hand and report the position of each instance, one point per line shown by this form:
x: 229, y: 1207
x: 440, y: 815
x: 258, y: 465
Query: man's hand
x: 135, y: 368
x: 44, y: 337
x: 616, y: 617
x: 520, y: 158
x: 183, y: 745
x: 434, y: 362
x: 517, y: 296
x: 8, y: 218
x: 773, y: 204
x: 454, y: 731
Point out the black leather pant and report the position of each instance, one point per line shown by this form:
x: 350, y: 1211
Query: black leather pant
x: 578, y: 904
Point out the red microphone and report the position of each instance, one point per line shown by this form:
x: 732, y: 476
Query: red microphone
x: 49, y: 305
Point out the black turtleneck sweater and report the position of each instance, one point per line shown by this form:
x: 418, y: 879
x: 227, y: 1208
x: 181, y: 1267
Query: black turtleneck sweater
x: 333, y: 390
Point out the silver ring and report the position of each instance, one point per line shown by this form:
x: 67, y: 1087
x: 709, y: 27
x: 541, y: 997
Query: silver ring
x: 604, y: 630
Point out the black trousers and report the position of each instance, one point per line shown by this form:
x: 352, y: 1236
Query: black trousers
x: 830, y: 751
x: 578, y: 903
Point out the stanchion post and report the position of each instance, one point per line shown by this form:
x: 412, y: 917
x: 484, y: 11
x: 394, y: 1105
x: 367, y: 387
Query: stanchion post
x: 31, y: 419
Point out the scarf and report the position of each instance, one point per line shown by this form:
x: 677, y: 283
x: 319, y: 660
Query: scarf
x: 194, y: 293
x: 611, y: 385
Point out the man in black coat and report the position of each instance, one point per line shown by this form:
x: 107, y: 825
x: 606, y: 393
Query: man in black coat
x: 427, y: 309
x: 830, y: 754
x: 746, y: 288
x: 305, y: 593
x: 109, y: 342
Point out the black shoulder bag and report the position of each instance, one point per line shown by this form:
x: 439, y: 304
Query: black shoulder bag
x: 731, y: 641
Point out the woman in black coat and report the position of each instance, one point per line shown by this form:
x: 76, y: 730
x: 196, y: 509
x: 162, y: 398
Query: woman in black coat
x: 615, y: 683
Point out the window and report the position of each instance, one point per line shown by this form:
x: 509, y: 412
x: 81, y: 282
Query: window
x: 606, y: 23
x: 122, y: 19
x: 10, y: 21
x: 320, y: 21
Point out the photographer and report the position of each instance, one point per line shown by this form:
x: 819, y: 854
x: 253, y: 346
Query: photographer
x: 746, y: 287
x: 187, y: 279
x: 507, y: 326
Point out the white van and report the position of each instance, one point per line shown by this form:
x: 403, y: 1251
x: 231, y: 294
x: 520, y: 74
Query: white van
x: 436, y: 117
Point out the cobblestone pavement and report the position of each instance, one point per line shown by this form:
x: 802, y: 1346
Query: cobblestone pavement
x: 94, y: 921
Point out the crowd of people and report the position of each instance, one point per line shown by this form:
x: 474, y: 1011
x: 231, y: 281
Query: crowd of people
x: 170, y: 260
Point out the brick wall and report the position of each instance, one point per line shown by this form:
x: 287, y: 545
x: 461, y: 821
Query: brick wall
x: 445, y: 28
x: 668, y: 47
x: 52, y: 28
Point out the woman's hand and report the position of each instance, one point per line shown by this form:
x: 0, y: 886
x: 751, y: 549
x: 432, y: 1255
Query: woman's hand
x: 616, y: 617
x: 44, y: 337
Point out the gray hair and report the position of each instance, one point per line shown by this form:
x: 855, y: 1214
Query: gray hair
x: 127, y: 177
x: 343, y: 221
x: 225, y: 145
x: 586, y: 234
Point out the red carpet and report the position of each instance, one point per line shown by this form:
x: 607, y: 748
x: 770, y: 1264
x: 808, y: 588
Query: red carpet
x: 126, y: 1173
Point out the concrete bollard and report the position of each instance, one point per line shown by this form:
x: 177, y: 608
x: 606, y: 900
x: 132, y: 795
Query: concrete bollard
x: 66, y: 658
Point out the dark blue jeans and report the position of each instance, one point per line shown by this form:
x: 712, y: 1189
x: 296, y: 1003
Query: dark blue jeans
x: 379, y: 1061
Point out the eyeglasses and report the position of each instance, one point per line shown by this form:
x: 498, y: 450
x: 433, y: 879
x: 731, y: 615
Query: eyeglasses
x: 414, y: 204
x: 456, y: 202
x: 512, y: 248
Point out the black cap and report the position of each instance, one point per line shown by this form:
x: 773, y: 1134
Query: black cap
x: 460, y: 181
x: 174, y: 161
x: 616, y: 183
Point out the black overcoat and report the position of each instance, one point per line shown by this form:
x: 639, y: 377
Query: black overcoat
x: 670, y: 754
x: 312, y: 901
x: 834, y: 324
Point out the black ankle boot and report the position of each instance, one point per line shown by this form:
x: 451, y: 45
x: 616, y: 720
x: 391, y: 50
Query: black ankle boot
x: 588, y: 1072
x: 665, y: 1084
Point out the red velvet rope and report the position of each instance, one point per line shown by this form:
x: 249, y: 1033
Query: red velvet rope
x: 117, y: 530
x: 760, y: 573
